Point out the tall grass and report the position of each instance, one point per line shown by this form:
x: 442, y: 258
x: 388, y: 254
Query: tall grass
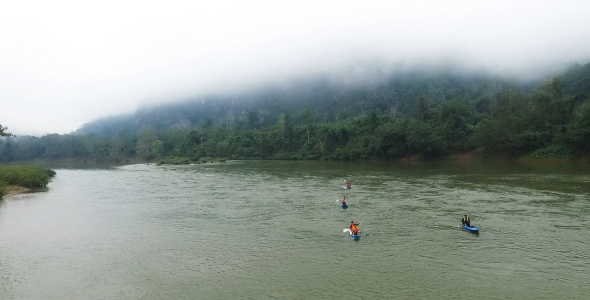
x: 25, y: 176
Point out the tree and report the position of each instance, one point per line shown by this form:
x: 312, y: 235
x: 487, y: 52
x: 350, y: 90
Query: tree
x: 455, y: 124
x: 578, y: 134
x: 285, y: 125
x: 391, y: 138
x: 122, y: 145
x: 9, y: 151
x: 3, y: 131
x: 253, y: 120
x: 422, y: 138
x: 148, y: 144
x: 307, y: 117
x: 423, y: 109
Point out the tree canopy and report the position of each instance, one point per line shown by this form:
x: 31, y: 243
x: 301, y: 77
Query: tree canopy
x: 3, y: 131
x: 414, y: 113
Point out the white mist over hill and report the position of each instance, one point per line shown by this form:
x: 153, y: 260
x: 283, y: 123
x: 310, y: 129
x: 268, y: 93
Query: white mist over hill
x: 64, y: 63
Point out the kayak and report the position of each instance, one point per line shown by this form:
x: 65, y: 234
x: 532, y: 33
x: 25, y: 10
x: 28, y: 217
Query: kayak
x: 353, y: 236
x: 344, y: 205
x: 470, y: 229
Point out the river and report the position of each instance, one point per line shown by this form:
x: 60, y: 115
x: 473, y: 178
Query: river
x: 274, y: 230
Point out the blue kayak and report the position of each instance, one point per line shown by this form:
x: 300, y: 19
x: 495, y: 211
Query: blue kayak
x: 470, y: 229
x: 344, y: 205
x: 356, y: 237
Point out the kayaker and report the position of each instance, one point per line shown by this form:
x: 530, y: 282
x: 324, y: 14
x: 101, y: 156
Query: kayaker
x: 465, y: 221
x: 354, y: 228
x: 348, y: 186
x: 344, y: 200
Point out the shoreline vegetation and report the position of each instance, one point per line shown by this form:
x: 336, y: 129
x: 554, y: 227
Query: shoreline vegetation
x: 175, y: 160
x: 414, y: 115
x: 179, y: 160
x: 23, y: 179
x: 466, y: 156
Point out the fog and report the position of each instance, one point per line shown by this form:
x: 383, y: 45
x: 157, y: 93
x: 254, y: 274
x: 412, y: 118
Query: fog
x: 66, y: 63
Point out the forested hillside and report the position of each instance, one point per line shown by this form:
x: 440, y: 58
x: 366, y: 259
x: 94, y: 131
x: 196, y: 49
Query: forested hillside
x: 425, y: 113
x: 329, y: 100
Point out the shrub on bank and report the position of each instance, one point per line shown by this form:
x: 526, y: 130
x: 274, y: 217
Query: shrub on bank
x: 553, y: 151
x: 26, y: 176
x: 174, y: 160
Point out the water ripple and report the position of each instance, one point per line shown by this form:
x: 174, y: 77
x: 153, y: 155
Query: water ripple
x: 273, y: 230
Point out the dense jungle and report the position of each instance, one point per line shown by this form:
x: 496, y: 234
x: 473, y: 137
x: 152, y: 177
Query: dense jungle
x: 425, y: 113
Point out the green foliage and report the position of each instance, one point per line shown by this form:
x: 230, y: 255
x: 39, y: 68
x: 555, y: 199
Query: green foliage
x: 484, y: 135
x: 402, y: 137
x: 577, y: 134
x: 174, y: 160
x: 148, y: 144
x: 422, y: 138
x: 553, y: 151
x: 456, y: 123
x: 3, y: 131
x: 391, y: 139
x: 26, y: 176
x: 423, y: 112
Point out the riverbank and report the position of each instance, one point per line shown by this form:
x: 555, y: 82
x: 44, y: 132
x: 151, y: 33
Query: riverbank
x: 12, y: 190
x: 529, y: 157
x: 22, y: 179
x: 473, y: 155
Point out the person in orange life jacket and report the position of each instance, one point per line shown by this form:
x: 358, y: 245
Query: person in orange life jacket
x: 344, y: 200
x: 348, y: 185
x: 465, y: 221
x: 354, y: 228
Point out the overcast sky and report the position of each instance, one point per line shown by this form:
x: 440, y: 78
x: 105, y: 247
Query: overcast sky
x: 66, y: 63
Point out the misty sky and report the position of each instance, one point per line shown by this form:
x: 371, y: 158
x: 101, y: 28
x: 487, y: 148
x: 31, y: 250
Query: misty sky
x: 66, y: 63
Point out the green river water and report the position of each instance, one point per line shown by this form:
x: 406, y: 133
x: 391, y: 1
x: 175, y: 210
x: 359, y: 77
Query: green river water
x: 273, y: 230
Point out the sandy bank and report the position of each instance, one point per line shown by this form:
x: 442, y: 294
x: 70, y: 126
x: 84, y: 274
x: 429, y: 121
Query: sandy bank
x: 15, y: 190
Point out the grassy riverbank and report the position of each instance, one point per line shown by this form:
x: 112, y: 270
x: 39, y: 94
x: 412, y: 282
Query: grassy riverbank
x: 14, y: 179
